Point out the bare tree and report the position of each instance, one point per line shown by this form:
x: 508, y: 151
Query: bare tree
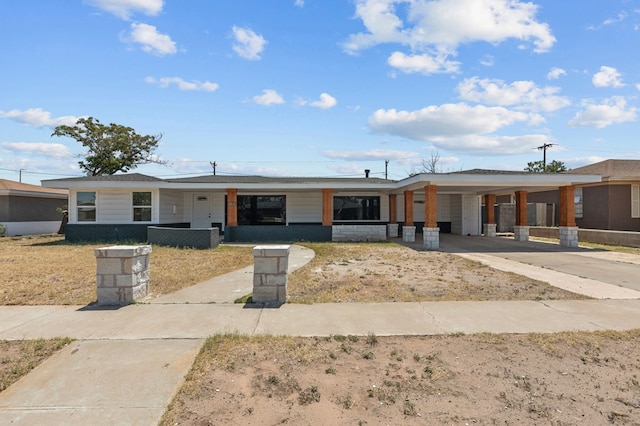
x: 430, y: 165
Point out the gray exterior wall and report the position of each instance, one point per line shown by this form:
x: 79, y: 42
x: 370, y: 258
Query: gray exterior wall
x: 30, y: 209
x: 607, y: 207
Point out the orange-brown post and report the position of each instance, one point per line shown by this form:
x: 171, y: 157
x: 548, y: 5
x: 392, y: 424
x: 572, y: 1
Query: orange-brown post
x: 327, y: 207
x: 521, y: 208
x: 567, y: 206
x: 408, y: 208
x: 430, y: 206
x: 489, y: 202
x: 232, y: 207
x: 393, y: 213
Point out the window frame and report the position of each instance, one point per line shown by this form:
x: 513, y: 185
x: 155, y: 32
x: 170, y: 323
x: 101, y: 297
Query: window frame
x: 635, y: 201
x: 578, y: 206
x: 86, y: 207
x: 371, y: 213
x: 253, y: 217
x: 141, y: 207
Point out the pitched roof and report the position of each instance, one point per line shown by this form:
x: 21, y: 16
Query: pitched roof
x: 129, y: 177
x: 265, y: 179
x: 13, y: 186
x: 611, y: 168
x: 489, y: 172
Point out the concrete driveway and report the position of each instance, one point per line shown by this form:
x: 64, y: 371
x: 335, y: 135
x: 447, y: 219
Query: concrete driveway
x: 618, y: 269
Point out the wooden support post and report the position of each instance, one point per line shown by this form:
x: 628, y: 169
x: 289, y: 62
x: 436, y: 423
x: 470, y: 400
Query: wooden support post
x: 408, y: 208
x: 430, y: 206
x: 232, y: 207
x: 327, y: 207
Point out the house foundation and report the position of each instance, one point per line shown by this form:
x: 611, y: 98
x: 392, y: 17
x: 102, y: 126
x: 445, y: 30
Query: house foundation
x: 392, y: 230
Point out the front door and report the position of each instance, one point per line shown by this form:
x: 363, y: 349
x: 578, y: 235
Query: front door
x: 201, y: 211
x: 470, y: 215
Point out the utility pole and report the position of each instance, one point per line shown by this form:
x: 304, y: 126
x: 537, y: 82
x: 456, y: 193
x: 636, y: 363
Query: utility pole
x: 20, y: 176
x: 213, y: 165
x: 543, y: 148
x: 386, y: 167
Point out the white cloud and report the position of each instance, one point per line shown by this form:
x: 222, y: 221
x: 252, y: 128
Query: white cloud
x: 446, y: 24
x: 613, y: 111
x: 425, y: 64
x: 372, y: 154
x: 151, y: 40
x: 28, y: 149
x: 326, y: 101
x: 268, y: 97
x: 37, y: 117
x: 524, y: 94
x: 555, y: 73
x: 248, y: 44
x: 125, y: 8
x: 194, y: 85
x: 607, y: 77
x: 299, y: 3
x: 458, y: 127
x: 445, y: 120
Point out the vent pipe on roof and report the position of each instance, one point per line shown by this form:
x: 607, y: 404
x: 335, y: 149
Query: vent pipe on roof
x: 366, y: 172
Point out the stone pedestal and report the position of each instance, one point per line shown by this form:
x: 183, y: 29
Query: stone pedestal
x: 431, y: 238
x: 392, y: 230
x: 270, y: 273
x: 489, y: 229
x: 568, y: 236
x: 409, y: 234
x: 521, y: 233
x: 122, y: 274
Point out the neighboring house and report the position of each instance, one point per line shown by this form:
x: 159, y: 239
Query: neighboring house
x: 30, y: 209
x: 254, y: 208
x: 613, y: 204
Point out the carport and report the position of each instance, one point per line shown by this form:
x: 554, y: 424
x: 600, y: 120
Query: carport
x: 456, y: 199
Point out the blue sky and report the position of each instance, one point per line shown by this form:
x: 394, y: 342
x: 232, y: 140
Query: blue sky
x: 321, y: 87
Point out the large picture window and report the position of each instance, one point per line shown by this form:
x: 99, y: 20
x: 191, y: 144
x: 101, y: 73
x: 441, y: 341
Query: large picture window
x: 86, y: 204
x: 262, y: 210
x: 356, y: 208
x: 142, y: 206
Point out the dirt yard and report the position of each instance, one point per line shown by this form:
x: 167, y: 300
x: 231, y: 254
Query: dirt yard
x: 536, y: 379
x: 360, y: 272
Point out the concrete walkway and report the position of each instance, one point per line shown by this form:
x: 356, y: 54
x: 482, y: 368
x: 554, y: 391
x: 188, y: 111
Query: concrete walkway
x: 128, y: 362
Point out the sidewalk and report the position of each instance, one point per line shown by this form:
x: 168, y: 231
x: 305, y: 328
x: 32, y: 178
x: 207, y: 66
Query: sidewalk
x: 128, y: 362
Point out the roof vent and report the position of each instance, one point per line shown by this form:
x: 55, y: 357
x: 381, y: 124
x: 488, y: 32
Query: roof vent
x: 366, y: 172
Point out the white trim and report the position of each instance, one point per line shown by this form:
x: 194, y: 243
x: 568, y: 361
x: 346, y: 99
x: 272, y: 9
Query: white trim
x: 635, y: 201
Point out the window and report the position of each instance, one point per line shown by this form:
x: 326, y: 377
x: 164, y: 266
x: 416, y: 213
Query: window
x: 577, y: 200
x: 262, y: 210
x: 356, y: 208
x: 142, y: 206
x: 635, y: 201
x: 86, y: 204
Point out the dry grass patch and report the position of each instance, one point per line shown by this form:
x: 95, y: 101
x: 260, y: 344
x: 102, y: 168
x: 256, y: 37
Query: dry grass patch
x: 18, y: 357
x: 564, y: 378
x: 46, y: 270
x: 389, y: 272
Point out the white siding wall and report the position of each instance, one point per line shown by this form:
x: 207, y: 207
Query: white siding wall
x: 114, y: 206
x: 304, y: 207
x: 456, y: 213
x: 443, y: 213
x: 168, y: 199
x: 219, y: 209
